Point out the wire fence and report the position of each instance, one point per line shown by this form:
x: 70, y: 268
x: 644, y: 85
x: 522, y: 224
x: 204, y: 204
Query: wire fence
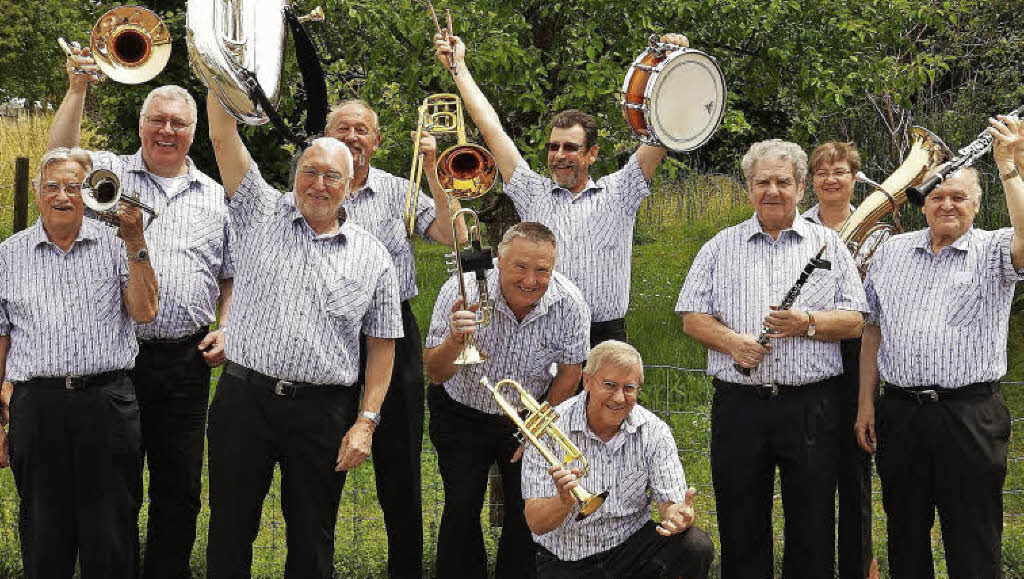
x: 680, y: 396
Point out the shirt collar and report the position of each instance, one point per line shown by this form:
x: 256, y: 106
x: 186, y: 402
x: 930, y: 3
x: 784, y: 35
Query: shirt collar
x: 87, y: 232
x: 814, y: 213
x: 752, y: 227
x: 295, y: 216
x: 372, y: 185
x: 962, y: 243
x: 137, y: 164
x: 591, y: 186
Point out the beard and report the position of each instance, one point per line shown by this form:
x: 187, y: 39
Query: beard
x: 575, y: 177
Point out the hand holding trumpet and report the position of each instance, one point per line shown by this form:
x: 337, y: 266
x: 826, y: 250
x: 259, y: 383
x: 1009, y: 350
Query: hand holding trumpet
x: 463, y: 322
x: 81, y: 67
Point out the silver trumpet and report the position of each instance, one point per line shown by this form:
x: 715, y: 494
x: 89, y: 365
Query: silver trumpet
x: 101, y: 192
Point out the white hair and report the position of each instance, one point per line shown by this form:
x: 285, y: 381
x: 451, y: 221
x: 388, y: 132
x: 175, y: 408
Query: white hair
x: 775, y: 149
x: 334, y: 146
x: 615, y: 353
x: 61, y: 155
x: 170, y: 92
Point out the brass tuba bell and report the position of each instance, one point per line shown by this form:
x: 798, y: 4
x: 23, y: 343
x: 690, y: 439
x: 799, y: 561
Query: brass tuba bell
x: 130, y: 44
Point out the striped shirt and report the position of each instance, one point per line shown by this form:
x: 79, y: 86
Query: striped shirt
x: 301, y: 299
x: 594, y: 230
x: 638, y: 465
x: 63, y: 311
x: 379, y: 207
x: 557, y: 330
x: 742, y: 271
x: 188, y: 243
x: 944, y: 318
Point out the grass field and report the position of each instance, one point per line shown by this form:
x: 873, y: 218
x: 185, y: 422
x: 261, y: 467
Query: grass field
x: 672, y: 227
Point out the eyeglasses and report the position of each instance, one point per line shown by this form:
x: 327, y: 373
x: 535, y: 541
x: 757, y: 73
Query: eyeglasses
x: 331, y: 178
x: 841, y: 173
x: 610, y: 387
x: 52, y: 188
x: 567, y: 147
x: 177, y: 125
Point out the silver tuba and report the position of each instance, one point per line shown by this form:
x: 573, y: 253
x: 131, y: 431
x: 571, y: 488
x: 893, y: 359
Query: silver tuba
x: 226, y: 38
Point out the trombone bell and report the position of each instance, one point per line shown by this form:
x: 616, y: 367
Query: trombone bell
x: 130, y: 44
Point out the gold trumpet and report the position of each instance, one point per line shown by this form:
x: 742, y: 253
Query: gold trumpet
x: 130, y: 45
x: 101, y: 192
x: 541, y: 421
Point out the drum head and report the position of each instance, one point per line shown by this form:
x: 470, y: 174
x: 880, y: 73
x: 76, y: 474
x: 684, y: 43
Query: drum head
x: 687, y: 100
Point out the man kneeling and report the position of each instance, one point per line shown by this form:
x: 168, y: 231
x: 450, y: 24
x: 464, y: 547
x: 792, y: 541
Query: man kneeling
x: 630, y: 451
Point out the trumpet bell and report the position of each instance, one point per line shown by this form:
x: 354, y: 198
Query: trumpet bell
x: 470, y: 355
x: 466, y: 171
x: 130, y: 44
x: 589, y: 502
x: 101, y: 190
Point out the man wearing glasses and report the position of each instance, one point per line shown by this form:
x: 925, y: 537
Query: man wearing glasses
x: 309, y: 283
x: 189, y: 242
x: 631, y: 452
x: 593, y: 221
x: 70, y: 295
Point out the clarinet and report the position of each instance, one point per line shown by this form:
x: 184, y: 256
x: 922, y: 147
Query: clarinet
x: 965, y: 158
x: 787, y: 302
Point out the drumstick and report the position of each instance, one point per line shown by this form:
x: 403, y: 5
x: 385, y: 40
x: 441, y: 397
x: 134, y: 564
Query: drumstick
x: 445, y: 33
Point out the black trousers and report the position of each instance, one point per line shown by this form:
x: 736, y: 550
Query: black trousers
x: 172, y: 382
x: 77, y: 462
x: 468, y: 442
x: 607, y: 330
x: 950, y: 456
x: 751, y: 435
x: 252, y: 429
x: 397, y: 443
x: 854, y: 487
x: 645, y: 554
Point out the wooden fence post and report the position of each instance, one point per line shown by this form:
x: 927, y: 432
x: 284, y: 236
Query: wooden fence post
x: 20, y: 194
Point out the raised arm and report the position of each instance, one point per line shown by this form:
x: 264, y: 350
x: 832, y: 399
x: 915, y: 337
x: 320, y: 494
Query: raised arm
x: 506, y: 155
x: 650, y: 157
x: 1007, y: 148
x: 441, y: 229
x: 233, y: 158
x: 67, y: 121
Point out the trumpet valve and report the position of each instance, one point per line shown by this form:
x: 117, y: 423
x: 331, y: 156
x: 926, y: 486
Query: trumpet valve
x: 449, y: 263
x: 315, y: 15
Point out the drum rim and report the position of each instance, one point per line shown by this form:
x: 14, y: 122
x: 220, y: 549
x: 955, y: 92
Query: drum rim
x: 654, y: 128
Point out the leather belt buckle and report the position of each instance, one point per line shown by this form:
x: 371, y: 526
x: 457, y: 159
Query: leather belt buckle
x: 284, y: 388
x: 769, y: 390
x: 73, y: 382
x: 925, y: 396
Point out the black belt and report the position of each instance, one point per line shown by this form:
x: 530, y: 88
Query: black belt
x: 175, y: 342
x: 768, y: 390
x: 282, y: 388
x: 75, y: 382
x: 927, y: 394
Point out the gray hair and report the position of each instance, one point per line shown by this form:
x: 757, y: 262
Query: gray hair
x: 615, y: 353
x: 971, y: 180
x: 171, y: 92
x: 61, y: 155
x: 775, y: 149
x: 329, y: 144
x: 336, y: 110
x: 530, y: 231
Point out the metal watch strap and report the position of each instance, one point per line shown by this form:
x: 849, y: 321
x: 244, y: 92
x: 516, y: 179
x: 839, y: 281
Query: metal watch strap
x: 811, y: 328
x: 373, y: 417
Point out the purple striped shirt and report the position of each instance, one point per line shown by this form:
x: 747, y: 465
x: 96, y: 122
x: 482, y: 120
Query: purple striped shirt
x: 301, y: 299
x: 63, y: 311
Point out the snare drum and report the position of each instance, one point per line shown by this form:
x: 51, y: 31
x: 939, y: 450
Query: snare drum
x: 673, y: 97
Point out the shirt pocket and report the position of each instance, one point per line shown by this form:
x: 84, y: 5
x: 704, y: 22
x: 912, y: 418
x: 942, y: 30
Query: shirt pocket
x: 541, y: 360
x: 964, y: 301
x: 629, y: 494
x: 346, y: 299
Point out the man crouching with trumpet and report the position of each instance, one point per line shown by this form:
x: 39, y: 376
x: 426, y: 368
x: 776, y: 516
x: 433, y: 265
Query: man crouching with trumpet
x: 629, y: 451
x: 70, y: 293
x: 539, y: 318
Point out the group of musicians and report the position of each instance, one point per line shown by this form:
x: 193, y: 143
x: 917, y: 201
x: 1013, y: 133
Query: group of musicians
x: 106, y: 353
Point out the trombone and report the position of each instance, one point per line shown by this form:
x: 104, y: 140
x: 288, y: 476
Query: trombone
x: 101, y: 192
x: 541, y: 421
x: 130, y: 45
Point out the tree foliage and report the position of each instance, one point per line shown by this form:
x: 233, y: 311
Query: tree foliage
x: 798, y: 69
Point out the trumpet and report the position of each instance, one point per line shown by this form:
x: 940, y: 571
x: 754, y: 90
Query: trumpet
x: 476, y: 258
x: 130, y: 45
x: 539, y: 422
x: 101, y: 192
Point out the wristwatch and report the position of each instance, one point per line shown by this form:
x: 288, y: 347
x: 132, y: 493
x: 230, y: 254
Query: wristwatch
x: 373, y: 417
x: 810, y: 325
x: 140, y: 255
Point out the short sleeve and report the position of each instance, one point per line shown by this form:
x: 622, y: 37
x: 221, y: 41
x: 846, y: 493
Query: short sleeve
x: 5, y: 315
x: 426, y: 214
x: 850, y: 291
x: 253, y: 202
x: 874, y: 311
x: 667, y: 480
x: 536, y: 482
x: 1001, y: 257
x: 696, y: 294
x: 524, y: 186
x: 227, y: 264
x: 578, y: 345
x: 442, y: 312
x: 383, y: 318
x: 629, y: 185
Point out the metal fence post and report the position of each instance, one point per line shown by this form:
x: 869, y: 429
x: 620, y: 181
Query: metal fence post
x: 20, y: 194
